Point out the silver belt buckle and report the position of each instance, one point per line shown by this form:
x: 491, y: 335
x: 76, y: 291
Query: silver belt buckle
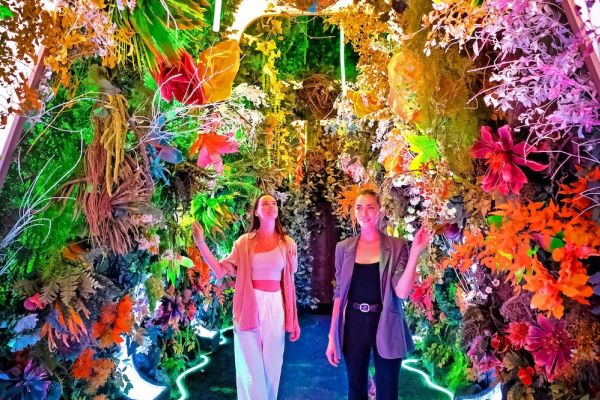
x: 364, y: 307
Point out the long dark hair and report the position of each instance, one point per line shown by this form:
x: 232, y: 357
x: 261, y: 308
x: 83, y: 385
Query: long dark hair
x: 256, y: 222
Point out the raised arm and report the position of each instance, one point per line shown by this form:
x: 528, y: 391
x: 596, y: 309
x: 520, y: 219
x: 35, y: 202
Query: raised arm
x: 407, y: 280
x: 218, y: 268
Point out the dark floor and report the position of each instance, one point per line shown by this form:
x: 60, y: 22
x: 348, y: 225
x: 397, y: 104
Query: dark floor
x: 306, y: 373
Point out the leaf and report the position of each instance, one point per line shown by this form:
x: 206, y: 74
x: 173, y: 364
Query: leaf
x: 185, y: 262
x: 425, y: 149
x: 556, y: 243
x: 5, y: 12
x: 23, y: 341
x: 495, y: 220
x: 26, y: 323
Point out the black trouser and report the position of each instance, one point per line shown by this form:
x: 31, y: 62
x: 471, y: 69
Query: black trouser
x: 360, y: 332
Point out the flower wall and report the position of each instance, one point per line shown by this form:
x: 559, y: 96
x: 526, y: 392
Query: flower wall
x: 476, y: 119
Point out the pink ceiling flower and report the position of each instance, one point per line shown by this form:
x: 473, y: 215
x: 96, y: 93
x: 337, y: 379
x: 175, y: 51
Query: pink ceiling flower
x: 503, y: 159
x: 550, y: 344
x: 210, y: 147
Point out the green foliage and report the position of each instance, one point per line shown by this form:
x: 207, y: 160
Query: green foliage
x: 309, y: 46
x: 197, y: 40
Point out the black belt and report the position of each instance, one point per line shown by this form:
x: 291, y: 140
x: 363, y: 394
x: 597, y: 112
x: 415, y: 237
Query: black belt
x: 364, y: 307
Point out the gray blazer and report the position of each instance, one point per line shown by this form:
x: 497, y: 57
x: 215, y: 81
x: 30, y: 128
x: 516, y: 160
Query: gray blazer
x: 393, y: 336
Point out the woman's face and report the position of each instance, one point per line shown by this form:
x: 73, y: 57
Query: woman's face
x: 267, y: 210
x: 366, y: 210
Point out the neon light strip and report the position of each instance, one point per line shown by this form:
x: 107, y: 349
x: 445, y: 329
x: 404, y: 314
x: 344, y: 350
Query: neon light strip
x: 201, y: 364
x: 217, y: 17
x: 342, y: 61
x: 430, y: 383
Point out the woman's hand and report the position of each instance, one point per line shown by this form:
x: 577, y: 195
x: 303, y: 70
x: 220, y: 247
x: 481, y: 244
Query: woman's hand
x: 332, y: 357
x: 295, y: 334
x: 421, y: 239
x: 197, y: 232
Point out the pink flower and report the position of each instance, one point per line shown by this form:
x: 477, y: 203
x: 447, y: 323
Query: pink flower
x: 504, y: 157
x: 34, y: 302
x: 550, y: 344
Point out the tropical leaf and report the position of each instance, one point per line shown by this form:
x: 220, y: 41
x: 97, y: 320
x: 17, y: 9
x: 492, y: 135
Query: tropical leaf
x: 22, y: 342
x: 26, y: 323
x: 425, y: 148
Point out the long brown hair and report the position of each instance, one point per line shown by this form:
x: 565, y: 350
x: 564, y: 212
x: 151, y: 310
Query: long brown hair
x: 256, y: 222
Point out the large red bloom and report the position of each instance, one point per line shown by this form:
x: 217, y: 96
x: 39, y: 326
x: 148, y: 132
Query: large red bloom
x: 181, y: 81
x: 550, y: 344
x: 504, y: 157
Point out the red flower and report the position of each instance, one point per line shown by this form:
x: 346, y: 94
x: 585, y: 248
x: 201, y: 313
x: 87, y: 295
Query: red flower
x: 517, y: 334
x: 500, y: 343
x: 503, y: 158
x: 526, y: 375
x: 181, y: 81
x: 550, y: 344
x: 34, y: 302
x: 422, y: 296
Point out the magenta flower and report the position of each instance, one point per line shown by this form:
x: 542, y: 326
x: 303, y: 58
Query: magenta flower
x: 34, y: 303
x: 550, y: 344
x: 503, y: 159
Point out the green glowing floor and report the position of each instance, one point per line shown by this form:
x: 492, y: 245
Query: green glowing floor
x: 306, y: 373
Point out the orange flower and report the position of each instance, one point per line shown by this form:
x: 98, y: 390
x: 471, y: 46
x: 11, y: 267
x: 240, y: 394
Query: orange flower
x: 82, y: 367
x: 114, y: 321
x: 546, y: 292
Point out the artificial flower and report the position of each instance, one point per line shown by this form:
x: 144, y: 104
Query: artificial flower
x: 526, y: 375
x: 181, y: 81
x: 551, y: 346
x: 503, y: 159
x: 34, y: 303
x: 517, y: 334
x: 210, y: 146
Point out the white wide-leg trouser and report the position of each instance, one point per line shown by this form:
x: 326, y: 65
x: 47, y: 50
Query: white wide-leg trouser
x: 259, y: 352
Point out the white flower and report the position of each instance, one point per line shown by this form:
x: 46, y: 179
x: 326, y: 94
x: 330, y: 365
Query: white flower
x: 410, y: 228
x: 474, y: 267
x: 414, y: 201
x: 488, y: 290
x: 144, y: 348
x: 410, y: 218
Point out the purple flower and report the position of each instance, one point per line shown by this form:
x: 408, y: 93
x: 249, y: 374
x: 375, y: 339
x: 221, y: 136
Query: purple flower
x: 31, y: 384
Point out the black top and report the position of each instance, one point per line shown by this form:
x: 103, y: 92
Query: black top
x: 365, y: 286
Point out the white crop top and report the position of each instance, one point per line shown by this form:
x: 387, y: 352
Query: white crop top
x: 268, y: 265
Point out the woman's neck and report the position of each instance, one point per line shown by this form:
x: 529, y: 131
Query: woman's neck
x: 369, y: 234
x: 266, y: 230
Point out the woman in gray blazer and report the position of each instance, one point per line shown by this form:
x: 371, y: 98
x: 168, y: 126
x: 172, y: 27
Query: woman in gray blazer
x: 374, y: 273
